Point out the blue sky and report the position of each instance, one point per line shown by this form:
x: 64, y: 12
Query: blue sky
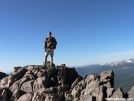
x: 87, y: 32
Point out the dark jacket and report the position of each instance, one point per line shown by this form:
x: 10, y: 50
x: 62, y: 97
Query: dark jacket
x: 50, y: 42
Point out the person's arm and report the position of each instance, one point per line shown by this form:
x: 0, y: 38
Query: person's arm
x: 45, y: 45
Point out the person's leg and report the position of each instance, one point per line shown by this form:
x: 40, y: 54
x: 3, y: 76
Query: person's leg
x: 51, y: 56
x: 46, y: 59
x: 46, y: 55
x: 51, y: 60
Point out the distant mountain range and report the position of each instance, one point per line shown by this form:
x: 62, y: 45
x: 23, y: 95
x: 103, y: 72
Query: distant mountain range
x: 2, y: 75
x: 124, y: 72
x: 123, y: 62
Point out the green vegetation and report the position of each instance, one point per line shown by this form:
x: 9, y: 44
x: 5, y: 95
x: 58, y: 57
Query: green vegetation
x: 125, y: 83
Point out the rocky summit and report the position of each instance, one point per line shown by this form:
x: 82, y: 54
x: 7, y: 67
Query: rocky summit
x: 58, y: 83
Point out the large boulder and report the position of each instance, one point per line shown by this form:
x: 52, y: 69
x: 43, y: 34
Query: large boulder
x: 93, y: 87
x: 27, y: 86
x: 77, y: 90
x: 42, y: 82
x: 66, y: 75
x: 26, y: 97
x: 47, y: 94
x: 12, y: 78
x: 16, y: 95
x: 15, y: 86
x: 107, y: 77
x: 18, y: 84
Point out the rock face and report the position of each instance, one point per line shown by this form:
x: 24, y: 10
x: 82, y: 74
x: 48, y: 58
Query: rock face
x: 93, y: 87
x: 35, y: 83
x: 58, y: 83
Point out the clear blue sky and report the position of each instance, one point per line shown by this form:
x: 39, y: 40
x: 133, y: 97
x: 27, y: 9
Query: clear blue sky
x: 87, y: 31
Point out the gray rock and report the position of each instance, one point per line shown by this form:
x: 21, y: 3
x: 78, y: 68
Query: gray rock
x: 3, y: 95
x: 15, y: 76
x: 40, y: 74
x: 29, y: 68
x: 35, y: 72
x: 16, y: 95
x: 26, y: 97
x: 131, y: 93
x: 25, y: 79
x: 110, y: 92
x: 17, y: 68
x: 63, y: 65
x: 66, y: 75
x: 46, y: 94
x: 87, y: 98
x: 4, y: 82
x: 76, y: 92
x: 53, y: 97
x: 95, y: 90
x: 51, y: 71
x: 38, y: 94
x: 63, y: 88
x: 18, y: 84
x: 27, y: 86
x: 48, y: 64
x: 107, y: 84
x: 42, y: 82
x: 15, y: 86
x: 76, y: 81
x: 107, y: 76
x: 118, y: 94
x: 91, y: 78
x: 30, y: 75
x: 68, y: 97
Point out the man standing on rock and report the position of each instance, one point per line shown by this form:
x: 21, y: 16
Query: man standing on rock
x: 49, y: 46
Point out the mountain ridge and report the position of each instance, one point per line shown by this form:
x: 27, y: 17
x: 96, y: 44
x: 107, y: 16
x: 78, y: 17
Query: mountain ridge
x: 125, y: 69
x: 59, y: 83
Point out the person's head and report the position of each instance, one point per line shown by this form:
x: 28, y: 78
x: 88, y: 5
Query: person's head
x: 49, y: 34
